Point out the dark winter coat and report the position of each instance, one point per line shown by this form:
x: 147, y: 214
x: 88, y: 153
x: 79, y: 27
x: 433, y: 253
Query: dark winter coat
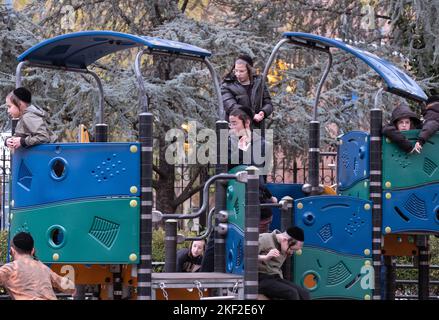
x: 391, y: 131
x: 186, y: 262
x: 32, y: 127
x: 431, y: 122
x: 234, y: 95
x: 264, y: 194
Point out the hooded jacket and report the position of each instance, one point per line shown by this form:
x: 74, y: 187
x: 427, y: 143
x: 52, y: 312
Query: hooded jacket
x: 431, y: 122
x: 391, y: 131
x: 234, y: 95
x: 32, y: 127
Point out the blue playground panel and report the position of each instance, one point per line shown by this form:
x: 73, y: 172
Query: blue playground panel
x: 234, y: 250
x: 353, y: 159
x: 280, y: 190
x: 90, y: 170
x: 235, y: 204
x: 411, y: 210
x: 328, y: 275
x: 91, y: 231
x: 338, y: 223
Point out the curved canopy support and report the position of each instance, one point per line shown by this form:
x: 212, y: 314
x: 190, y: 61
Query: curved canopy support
x: 396, y: 80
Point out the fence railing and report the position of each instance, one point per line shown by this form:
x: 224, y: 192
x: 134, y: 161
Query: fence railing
x: 406, y: 288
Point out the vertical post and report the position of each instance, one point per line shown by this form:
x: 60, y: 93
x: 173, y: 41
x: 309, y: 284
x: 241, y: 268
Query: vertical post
x: 116, y: 270
x: 389, y: 262
x: 251, y: 234
x: 375, y: 195
x: 101, y: 132
x: 286, y: 222
x: 423, y: 267
x: 145, y: 265
x: 171, y: 245
x: 4, y: 189
x: 314, y: 156
x: 220, y: 194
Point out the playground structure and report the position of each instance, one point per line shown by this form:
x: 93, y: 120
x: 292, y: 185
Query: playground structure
x: 99, y: 220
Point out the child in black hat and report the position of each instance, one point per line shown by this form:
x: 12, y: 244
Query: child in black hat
x: 274, y: 249
x: 403, y: 118
x: 431, y: 122
x: 28, y: 279
x: 31, y: 127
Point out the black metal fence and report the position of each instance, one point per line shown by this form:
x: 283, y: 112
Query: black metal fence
x: 5, y: 171
x: 284, y: 171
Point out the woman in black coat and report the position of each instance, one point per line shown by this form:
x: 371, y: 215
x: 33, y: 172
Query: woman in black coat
x: 242, y: 88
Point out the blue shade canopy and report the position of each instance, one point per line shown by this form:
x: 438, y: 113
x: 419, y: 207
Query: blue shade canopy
x: 80, y: 49
x: 397, y: 81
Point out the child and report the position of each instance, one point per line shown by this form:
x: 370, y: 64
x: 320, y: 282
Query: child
x: 402, y: 119
x: 28, y: 279
x: 274, y: 249
x: 431, y: 122
x: 31, y: 128
x: 189, y: 260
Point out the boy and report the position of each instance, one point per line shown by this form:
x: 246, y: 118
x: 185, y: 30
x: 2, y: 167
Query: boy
x: 274, y: 249
x: 431, y: 122
x: 402, y: 119
x: 31, y: 128
x: 28, y: 279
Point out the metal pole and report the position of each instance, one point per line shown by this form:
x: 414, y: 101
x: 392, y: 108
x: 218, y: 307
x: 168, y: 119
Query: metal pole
x: 423, y: 267
x: 376, y: 117
x: 171, y: 245
x: 286, y: 222
x: 314, y: 136
x: 101, y: 129
x: 220, y: 194
x: 4, y: 190
x: 18, y: 73
x: 116, y: 270
x: 314, y: 156
x: 145, y: 266
x: 143, y: 98
x: 216, y: 86
x: 251, y: 235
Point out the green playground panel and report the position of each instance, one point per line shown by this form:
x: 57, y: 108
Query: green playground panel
x: 358, y: 190
x: 402, y: 170
x: 332, y: 276
x: 235, y: 204
x: 99, y: 231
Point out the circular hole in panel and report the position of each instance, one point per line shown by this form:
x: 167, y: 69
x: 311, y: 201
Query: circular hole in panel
x: 56, y: 236
x: 58, y: 168
x: 311, y: 280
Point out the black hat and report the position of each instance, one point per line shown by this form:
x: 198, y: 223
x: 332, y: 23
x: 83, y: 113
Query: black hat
x: 246, y: 58
x: 404, y: 111
x: 296, y: 233
x: 23, y: 241
x: 23, y: 94
x: 434, y: 98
